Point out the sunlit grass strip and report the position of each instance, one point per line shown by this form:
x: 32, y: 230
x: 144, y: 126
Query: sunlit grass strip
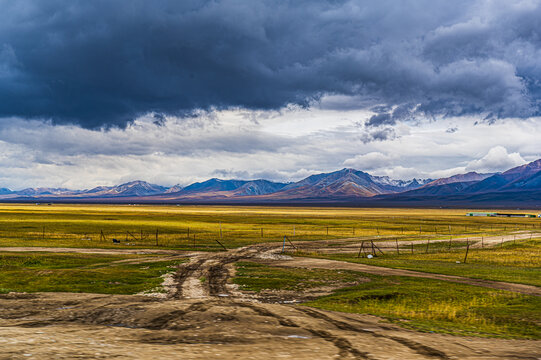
x: 432, y: 305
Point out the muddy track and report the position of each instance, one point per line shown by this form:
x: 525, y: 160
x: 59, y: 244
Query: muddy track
x: 344, y: 347
x: 348, y: 326
x: 206, y: 275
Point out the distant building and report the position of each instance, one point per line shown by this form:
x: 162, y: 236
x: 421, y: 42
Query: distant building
x: 480, y: 214
x: 501, y: 214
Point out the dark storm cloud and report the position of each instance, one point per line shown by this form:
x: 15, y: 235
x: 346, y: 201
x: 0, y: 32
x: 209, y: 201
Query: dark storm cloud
x: 101, y: 63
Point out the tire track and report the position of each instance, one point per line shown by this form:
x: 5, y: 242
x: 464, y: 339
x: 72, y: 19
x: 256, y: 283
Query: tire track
x: 413, y: 345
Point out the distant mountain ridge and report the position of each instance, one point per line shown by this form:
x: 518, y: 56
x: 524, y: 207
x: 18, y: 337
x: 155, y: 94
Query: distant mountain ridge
x: 519, y: 184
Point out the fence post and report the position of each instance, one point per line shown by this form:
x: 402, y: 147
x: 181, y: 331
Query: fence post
x: 221, y: 245
x: 467, y: 249
x: 397, y: 251
x: 427, y: 243
x: 360, y: 249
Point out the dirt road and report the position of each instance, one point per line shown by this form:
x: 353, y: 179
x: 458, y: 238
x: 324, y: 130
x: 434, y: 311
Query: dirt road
x: 206, y: 317
x: 378, y: 270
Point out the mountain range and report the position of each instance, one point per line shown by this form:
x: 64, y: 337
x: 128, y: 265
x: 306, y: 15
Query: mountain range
x: 518, y: 186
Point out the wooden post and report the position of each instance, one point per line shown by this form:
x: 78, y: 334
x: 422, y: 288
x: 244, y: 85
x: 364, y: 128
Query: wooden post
x: 427, y: 242
x: 188, y: 236
x: 292, y: 244
x: 360, y: 249
x: 221, y: 245
x: 397, y: 251
x: 501, y: 244
x: 293, y: 230
x: 420, y: 229
x: 141, y: 234
x: 327, y: 231
x: 514, y: 239
x: 450, y: 242
x: 482, y: 242
x: 261, y: 232
x: 402, y: 230
x: 353, y: 231
x: 467, y: 249
x: 377, y: 248
x: 412, y: 248
x: 194, y: 240
x: 373, y: 250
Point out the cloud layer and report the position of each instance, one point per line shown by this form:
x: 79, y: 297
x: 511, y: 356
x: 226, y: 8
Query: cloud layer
x: 241, y: 144
x: 104, y: 63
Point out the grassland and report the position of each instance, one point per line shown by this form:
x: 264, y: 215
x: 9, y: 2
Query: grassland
x: 438, y: 306
x: 416, y: 303
x: 189, y: 227
x: 256, y: 277
x: 90, y: 273
x: 513, y: 262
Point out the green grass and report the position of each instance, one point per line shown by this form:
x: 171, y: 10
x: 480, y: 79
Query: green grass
x: 438, y: 306
x: 42, y: 272
x: 416, y: 303
x: 63, y: 225
x: 518, y: 263
x: 256, y: 277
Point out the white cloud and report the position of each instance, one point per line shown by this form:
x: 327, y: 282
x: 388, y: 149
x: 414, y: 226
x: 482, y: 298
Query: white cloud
x: 369, y: 161
x: 497, y: 159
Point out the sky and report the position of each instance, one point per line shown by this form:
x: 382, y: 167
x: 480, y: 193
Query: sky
x: 104, y: 92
